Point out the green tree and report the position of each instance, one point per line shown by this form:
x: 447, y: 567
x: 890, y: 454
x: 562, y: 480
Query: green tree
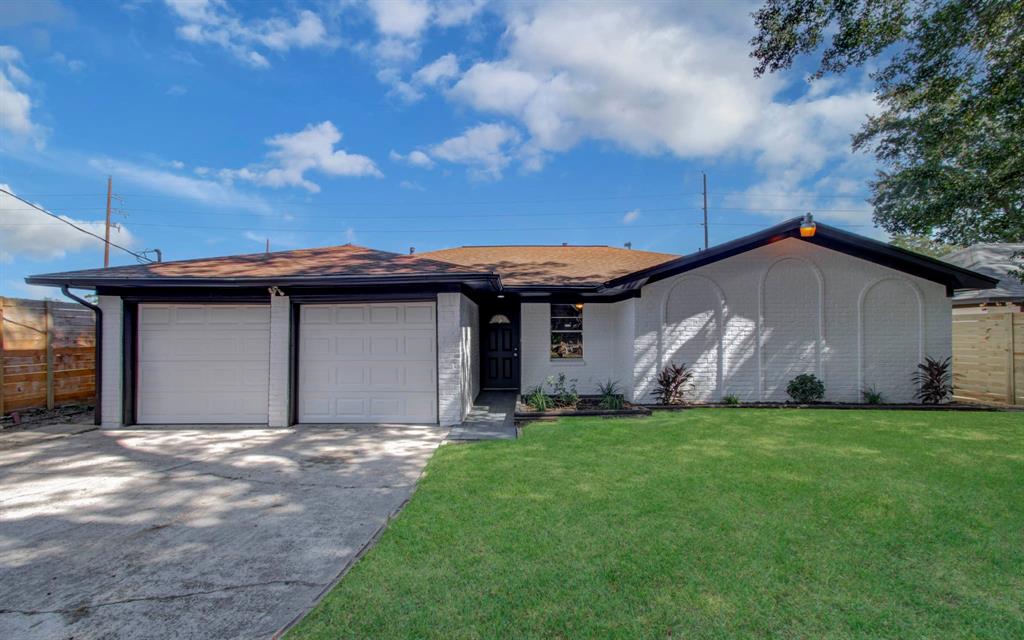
x: 950, y: 134
x: 923, y: 245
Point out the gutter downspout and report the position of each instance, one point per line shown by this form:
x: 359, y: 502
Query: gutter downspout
x: 97, y: 413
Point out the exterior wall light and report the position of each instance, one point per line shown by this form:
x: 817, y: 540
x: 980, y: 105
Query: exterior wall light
x: 807, y: 227
x: 579, y: 306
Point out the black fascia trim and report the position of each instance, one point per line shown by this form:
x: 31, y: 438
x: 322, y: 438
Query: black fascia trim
x: 301, y: 281
x: 256, y: 295
x: 952, y: 276
x: 423, y: 291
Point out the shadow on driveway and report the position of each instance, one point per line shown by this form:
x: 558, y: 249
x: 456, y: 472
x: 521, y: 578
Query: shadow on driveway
x: 182, y: 532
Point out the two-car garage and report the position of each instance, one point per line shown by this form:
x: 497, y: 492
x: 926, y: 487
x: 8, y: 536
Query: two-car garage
x: 356, y: 363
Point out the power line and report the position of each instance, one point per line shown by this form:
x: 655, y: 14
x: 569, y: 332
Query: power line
x: 67, y: 222
x: 483, y: 214
x: 441, y: 230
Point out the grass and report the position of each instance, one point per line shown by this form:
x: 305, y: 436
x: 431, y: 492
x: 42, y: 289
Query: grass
x: 706, y: 524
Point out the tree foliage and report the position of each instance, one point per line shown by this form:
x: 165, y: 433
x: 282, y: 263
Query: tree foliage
x: 949, y: 137
x: 923, y: 245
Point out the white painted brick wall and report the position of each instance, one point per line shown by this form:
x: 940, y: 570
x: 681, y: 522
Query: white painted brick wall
x: 861, y: 327
x: 280, y: 331
x: 605, y: 346
x: 449, y: 359
x: 110, y: 402
x: 458, y: 360
x: 469, y: 329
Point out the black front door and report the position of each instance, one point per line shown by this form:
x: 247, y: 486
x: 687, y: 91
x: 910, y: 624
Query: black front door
x: 500, y: 346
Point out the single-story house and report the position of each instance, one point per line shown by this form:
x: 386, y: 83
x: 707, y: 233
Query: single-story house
x: 996, y: 260
x: 352, y: 335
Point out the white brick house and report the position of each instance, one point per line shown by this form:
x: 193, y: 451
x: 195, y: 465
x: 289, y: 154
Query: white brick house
x: 348, y: 334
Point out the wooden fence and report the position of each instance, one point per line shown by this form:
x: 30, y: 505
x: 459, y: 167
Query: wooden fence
x: 988, y: 356
x: 46, y: 354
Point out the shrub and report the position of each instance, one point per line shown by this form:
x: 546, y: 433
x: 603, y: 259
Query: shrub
x: 564, y: 391
x: 872, y: 395
x: 611, y: 397
x: 537, y: 400
x: 806, y: 388
x: 934, y: 380
x: 731, y: 399
x: 673, y: 383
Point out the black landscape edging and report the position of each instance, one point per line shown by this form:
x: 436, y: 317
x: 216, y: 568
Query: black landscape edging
x: 953, y: 406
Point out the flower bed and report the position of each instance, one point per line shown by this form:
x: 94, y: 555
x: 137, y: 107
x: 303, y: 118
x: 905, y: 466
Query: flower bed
x: 949, y: 406
x: 586, y: 406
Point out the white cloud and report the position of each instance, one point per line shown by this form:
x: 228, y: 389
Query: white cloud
x: 485, y: 148
x: 27, y: 232
x: 215, y: 22
x: 631, y: 216
x: 176, y: 90
x: 74, y: 66
x: 450, y: 13
x: 293, y: 154
x: 15, y: 105
x: 657, y: 78
x: 444, y: 68
x: 401, y: 18
x: 177, y: 164
x: 411, y: 186
x: 415, y: 158
x: 200, y: 190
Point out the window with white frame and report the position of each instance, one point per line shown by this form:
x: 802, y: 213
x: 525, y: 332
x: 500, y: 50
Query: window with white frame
x: 566, y: 331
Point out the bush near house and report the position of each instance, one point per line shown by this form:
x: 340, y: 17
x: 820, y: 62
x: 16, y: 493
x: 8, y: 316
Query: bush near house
x: 806, y: 388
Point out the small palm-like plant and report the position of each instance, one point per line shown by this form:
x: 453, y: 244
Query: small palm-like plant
x: 872, y: 395
x: 537, y: 400
x: 673, y: 383
x: 611, y: 397
x: 934, y: 380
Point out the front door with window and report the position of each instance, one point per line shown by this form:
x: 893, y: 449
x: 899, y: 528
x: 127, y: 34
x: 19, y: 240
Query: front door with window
x: 500, y: 346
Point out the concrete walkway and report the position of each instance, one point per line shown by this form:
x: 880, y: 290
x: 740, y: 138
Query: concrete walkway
x: 175, y: 532
x: 492, y: 418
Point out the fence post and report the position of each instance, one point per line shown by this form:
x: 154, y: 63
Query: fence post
x: 1011, y: 395
x: 48, y: 336
x: 2, y: 409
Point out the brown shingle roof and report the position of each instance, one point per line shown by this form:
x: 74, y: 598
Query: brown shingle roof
x: 344, y: 260
x: 552, y: 265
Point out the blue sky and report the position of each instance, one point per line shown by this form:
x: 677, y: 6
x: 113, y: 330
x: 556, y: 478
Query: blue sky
x: 405, y: 123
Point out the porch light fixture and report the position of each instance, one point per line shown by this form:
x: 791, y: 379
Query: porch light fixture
x: 807, y: 227
x: 579, y: 306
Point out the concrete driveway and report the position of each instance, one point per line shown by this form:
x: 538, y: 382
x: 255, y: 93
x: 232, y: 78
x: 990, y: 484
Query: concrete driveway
x: 191, y: 532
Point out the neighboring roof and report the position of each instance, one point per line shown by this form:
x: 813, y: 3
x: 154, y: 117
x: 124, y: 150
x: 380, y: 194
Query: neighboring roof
x: 953, y: 277
x: 552, y: 265
x: 995, y: 260
x: 328, y: 264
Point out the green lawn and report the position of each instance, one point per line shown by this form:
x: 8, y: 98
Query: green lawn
x: 706, y: 524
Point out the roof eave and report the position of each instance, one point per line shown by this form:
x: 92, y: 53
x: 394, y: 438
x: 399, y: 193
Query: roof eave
x: 57, y: 280
x: 951, y: 276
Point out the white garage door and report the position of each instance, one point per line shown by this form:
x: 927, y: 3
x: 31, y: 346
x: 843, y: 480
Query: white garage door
x: 203, y: 364
x: 368, y: 363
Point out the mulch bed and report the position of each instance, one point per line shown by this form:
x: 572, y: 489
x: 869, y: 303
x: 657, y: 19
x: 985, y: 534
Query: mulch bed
x: 950, y: 406
x: 68, y: 414
x: 588, y: 406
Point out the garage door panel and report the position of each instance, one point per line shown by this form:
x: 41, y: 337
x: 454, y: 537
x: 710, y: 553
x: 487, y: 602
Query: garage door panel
x: 372, y: 363
x: 203, y: 364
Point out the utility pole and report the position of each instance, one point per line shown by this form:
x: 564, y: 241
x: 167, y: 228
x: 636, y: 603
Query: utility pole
x: 705, y: 209
x: 268, y: 246
x: 106, y: 243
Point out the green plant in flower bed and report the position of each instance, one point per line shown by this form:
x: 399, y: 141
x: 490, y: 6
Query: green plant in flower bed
x: 537, y: 400
x: 672, y: 384
x: 934, y: 380
x: 563, y: 391
x: 806, y: 388
x: 872, y: 395
x: 611, y: 396
x: 731, y: 399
